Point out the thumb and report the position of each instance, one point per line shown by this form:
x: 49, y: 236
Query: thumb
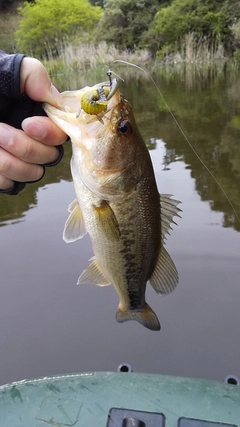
x: 36, y: 83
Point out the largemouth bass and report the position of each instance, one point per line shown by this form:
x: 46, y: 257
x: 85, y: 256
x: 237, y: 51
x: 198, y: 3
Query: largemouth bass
x: 117, y: 202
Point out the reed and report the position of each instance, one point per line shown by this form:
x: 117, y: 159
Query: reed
x: 203, y: 50
x: 197, y: 50
x: 83, y: 57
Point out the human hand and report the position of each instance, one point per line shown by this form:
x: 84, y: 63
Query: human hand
x: 24, y: 152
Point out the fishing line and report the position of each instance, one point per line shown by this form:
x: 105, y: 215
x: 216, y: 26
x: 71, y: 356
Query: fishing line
x: 181, y: 130
x: 109, y: 72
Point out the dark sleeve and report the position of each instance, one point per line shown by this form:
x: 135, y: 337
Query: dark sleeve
x: 9, y: 76
x: 14, y: 106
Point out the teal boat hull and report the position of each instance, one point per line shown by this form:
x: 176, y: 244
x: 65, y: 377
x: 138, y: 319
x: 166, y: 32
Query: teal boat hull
x: 85, y: 400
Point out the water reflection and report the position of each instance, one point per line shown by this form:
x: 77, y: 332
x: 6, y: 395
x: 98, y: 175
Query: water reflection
x: 14, y: 208
x: 48, y: 325
x: 206, y: 109
x: 206, y: 105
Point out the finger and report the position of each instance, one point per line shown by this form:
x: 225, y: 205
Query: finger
x: 16, y: 170
x: 36, y: 83
x: 44, y: 130
x: 5, y: 183
x: 23, y: 147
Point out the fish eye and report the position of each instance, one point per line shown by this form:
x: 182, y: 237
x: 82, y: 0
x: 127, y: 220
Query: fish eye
x: 125, y: 128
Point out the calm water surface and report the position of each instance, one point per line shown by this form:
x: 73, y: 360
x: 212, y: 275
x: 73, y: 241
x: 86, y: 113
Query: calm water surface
x: 48, y: 325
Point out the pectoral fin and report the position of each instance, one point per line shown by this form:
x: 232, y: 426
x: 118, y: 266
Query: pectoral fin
x: 74, y: 228
x: 93, y: 274
x: 106, y: 220
x: 165, y: 276
x: 73, y: 205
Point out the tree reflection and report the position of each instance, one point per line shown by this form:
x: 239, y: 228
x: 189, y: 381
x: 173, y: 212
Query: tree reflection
x: 208, y: 111
x: 206, y: 105
x: 14, y: 208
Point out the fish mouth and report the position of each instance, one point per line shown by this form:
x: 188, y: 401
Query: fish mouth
x: 98, y: 107
x: 91, y: 104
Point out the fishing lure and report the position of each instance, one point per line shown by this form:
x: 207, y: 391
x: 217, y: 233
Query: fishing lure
x: 95, y: 101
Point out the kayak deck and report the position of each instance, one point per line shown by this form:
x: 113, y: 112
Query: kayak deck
x: 105, y: 399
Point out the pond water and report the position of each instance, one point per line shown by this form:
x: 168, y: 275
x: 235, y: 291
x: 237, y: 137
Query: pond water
x: 48, y: 325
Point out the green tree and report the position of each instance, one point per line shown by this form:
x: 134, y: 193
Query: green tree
x: 211, y: 19
x: 47, y: 24
x: 124, y: 21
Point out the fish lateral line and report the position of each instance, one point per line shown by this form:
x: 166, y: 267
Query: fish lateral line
x: 121, y: 61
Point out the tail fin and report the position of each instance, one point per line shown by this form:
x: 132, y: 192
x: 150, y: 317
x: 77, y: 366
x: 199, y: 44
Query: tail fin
x: 146, y: 317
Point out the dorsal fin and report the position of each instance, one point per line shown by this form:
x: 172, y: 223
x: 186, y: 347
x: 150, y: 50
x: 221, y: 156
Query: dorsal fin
x: 169, y: 209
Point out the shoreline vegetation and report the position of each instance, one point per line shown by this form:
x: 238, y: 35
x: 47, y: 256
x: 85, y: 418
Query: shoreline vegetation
x: 191, y: 62
x: 87, y: 56
x: 76, y: 53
